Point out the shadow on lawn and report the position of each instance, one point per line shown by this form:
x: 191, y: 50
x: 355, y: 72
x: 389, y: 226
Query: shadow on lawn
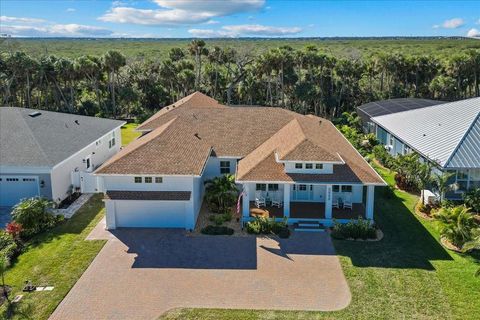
x: 406, y: 244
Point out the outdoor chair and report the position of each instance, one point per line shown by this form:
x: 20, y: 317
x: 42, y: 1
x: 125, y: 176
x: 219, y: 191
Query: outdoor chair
x: 259, y: 201
x: 348, y: 205
x: 277, y: 201
x: 335, y: 204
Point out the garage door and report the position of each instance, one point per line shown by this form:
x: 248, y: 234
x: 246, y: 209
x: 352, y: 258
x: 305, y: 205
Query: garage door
x: 149, y: 214
x: 15, y: 188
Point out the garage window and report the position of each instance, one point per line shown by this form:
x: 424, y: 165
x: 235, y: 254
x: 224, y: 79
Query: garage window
x: 138, y: 179
x: 158, y: 179
x: 148, y: 179
x: 12, y: 179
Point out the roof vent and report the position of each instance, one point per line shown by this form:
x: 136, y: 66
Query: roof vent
x: 34, y: 114
x: 319, y: 122
x: 197, y: 136
x: 76, y: 122
x: 166, y: 108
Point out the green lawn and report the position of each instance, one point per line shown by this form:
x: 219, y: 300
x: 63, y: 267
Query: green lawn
x: 58, y: 258
x: 129, y: 134
x: 407, y: 275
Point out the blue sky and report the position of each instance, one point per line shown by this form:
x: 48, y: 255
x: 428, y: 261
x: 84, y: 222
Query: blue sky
x: 238, y: 18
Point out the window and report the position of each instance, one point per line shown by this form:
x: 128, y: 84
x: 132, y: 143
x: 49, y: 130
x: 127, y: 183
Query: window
x: 28, y: 179
x: 298, y: 165
x: 138, y: 179
x: 88, y: 163
x: 319, y: 166
x: 302, y: 187
x: 148, y: 179
x: 273, y: 187
x: 309, y: 166
x: 12, y: 179
x: 158, y: 179
x: 224, y: 167
x: 261, y: 187
x: 462, y: 180
x: 336, y: 188
x: 346, y: 188
x: 98, y: 143
x: 111, y: 142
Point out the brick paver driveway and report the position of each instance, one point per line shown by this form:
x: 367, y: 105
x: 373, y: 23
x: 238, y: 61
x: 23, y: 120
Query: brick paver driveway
x: 142, y: 273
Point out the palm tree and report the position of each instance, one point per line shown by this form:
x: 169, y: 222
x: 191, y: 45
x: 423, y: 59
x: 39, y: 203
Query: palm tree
x: 457, y: 224
x: 3, y: 269
x: 441, y: 181
x: 221, y: 191
x: 197, y: 49
x: 424, y: 178
x: 113, y: 61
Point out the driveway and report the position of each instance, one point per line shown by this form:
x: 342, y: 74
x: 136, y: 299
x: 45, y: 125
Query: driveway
x: 141, y: 273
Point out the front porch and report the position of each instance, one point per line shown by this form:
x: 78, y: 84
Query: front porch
x: 309, y: 210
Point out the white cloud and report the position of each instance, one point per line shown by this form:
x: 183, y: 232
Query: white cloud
x: 453, y: 23
x: 55, y: 30
x: 71, y: 10
x: 20, y: 20
x: 245, y: 30
x: 180, y: 12
x: 212, y: 22
x: 473, y: 33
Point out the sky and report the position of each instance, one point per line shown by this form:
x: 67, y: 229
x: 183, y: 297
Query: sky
x: 238, y: 18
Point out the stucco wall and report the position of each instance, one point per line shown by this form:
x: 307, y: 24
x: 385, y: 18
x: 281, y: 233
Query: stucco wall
x: 170, y: 183
x: 290, y: 167
x: 61, y: 173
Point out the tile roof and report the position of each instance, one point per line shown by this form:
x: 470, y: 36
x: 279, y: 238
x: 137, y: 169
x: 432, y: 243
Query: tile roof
x: 148, y: 195
x: 48, y: 138
x: 182, y: 138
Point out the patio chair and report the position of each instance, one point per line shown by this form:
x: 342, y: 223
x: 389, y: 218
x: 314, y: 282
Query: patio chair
x: 259, y: 201
x: 277, y: 201
x: 348, y: 205
x: 335, y: 204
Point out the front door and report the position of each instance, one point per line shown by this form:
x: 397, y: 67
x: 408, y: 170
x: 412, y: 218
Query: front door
x: 303, y: 192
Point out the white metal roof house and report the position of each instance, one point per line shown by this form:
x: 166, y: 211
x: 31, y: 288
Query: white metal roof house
x: 447, y: 134
x: 301, y: 167
x: 44, y: 153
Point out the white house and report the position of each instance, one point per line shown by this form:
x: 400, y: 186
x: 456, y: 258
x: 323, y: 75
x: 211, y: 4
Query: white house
x: 50, y: 154
x: 446, y: 134
x: 301, y: 166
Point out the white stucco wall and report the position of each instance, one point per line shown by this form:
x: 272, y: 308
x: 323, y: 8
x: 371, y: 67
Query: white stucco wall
x: 126, y: 183
x: 61, y: 173
x: 290, y: 167
x: 212, y: 168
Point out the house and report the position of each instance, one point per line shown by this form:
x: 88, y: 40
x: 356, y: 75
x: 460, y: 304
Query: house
x: 446, y: 134
x: 302, y: 162
x: 50, y: 154
x: 380, y: 108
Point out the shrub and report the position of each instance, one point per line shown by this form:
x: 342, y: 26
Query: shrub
x: 472, y: 199
x: 217, y: 230
x: 219, y: 219
x: 356, y: 229
x: 34, y: 215
x: 382, y: 155
x: 284, y: 233
x: 456, y: 224
x: 221, y: 193
x: 8, y: 247
x: 14, y: 229
x: 261, y: 225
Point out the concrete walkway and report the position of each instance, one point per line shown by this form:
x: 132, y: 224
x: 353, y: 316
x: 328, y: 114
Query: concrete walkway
x: 141, y: 273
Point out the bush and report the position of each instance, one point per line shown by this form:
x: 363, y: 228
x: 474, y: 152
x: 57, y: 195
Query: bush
x: 456, y: 224
x: 356, y: 229
x: 217, y: 230
x: 8, y: 247
x: 261, y: 225
x: 219, y: 219
x: 472, y: 199
x: 382, y: 155
x: 34, y: 215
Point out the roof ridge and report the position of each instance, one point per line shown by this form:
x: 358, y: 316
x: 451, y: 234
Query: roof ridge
x: 461, y: 140
x: 136, y: 144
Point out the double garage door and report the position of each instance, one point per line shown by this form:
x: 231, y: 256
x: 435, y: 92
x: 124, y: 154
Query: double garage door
x: 15, y: 188
x: 149, y: 214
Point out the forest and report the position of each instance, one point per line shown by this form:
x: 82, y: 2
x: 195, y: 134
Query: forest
x: 307, y: 79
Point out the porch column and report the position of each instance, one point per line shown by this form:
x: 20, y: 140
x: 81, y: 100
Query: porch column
x: 110, y: 215
x: 286, y: 200
x: 328, y: 201
x: 370, y: 202
x: 246, y: 201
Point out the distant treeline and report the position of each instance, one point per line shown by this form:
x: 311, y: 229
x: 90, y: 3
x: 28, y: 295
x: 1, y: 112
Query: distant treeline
x: 308, y: 80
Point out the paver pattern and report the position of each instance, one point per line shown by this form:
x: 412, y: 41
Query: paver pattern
x: 141, y: 273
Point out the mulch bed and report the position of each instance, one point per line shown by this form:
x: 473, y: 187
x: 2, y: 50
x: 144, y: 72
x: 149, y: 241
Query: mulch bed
x: 450, y: 246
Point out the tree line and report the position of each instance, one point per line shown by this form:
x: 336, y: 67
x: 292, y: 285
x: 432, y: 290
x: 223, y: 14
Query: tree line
x: 309, y: 80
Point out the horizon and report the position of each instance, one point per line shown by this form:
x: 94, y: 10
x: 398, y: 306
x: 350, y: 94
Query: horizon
x: 236, y: 19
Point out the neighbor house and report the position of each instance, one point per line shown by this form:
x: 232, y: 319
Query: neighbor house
x: 52, y: 154
x: 446, y: 134
x: 296, y: 166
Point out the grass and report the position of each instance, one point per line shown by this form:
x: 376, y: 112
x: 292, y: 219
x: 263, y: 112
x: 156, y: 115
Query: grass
x: 129, y: 134
x: 58, y: 258
x: 158, y: 48
x: 407, y: 275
